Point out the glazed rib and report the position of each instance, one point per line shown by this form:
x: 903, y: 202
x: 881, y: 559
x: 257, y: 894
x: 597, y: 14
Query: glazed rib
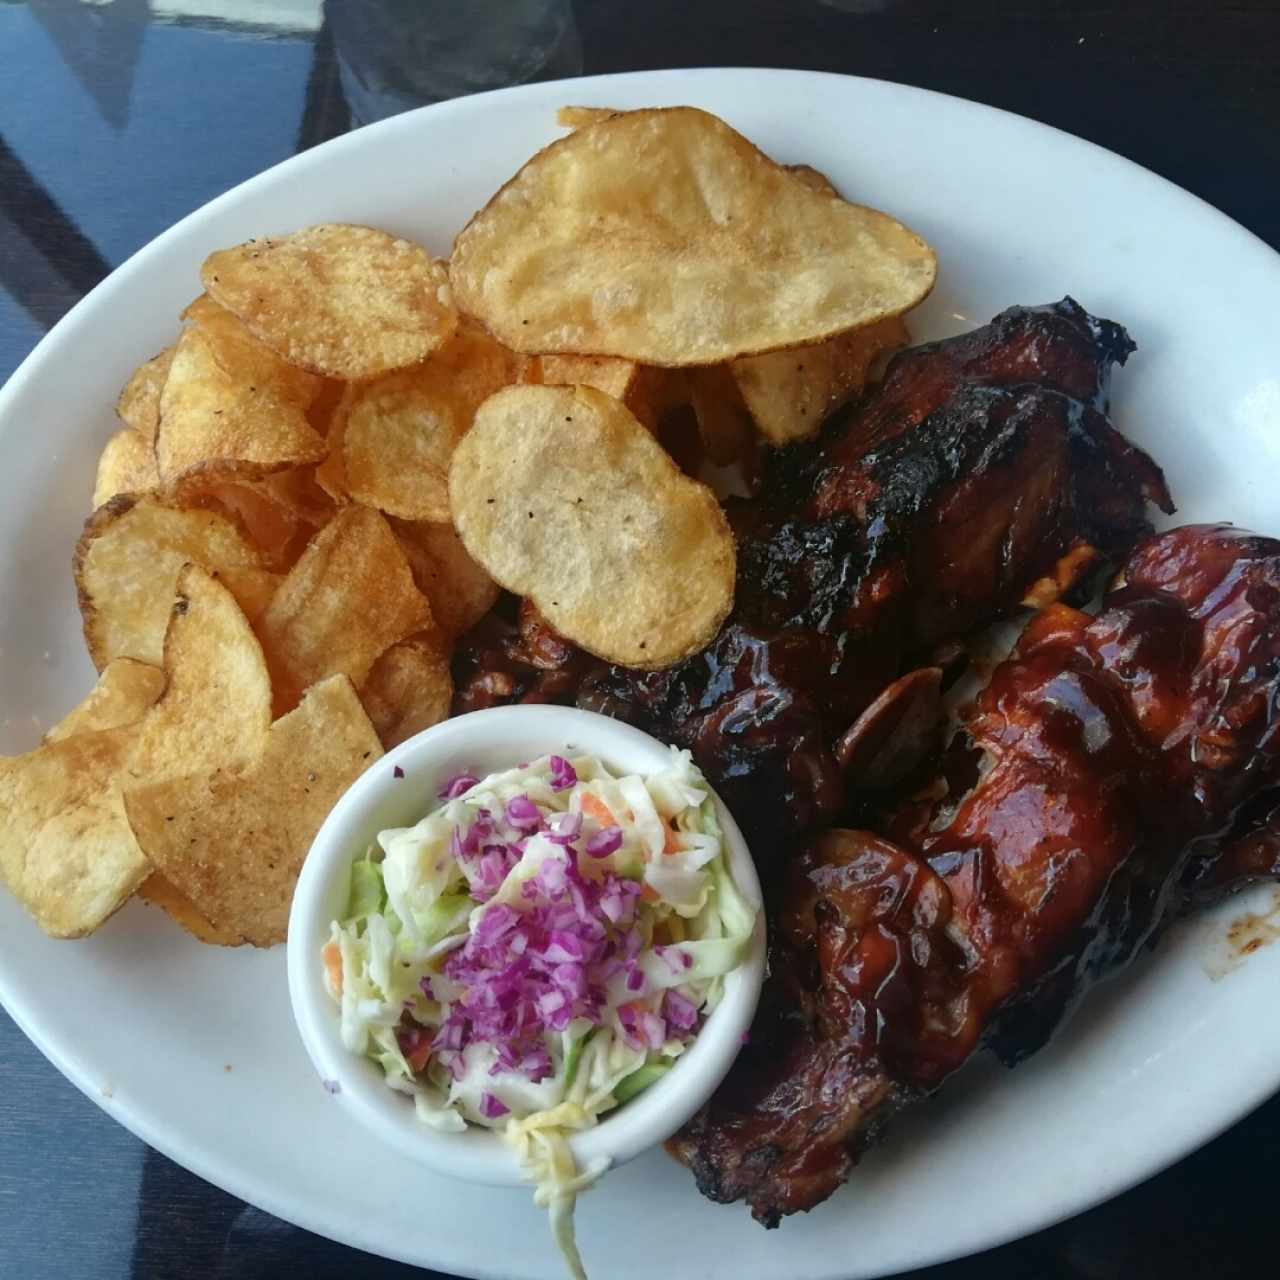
x: 1086, y: 800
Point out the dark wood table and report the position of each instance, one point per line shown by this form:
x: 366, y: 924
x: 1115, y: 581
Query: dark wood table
x: 119, y: 116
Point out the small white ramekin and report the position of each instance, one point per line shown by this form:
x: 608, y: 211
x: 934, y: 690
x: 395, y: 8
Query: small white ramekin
x: 483, y: 742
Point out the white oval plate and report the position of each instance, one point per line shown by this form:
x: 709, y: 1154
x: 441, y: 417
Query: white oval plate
x: 194, y: 1049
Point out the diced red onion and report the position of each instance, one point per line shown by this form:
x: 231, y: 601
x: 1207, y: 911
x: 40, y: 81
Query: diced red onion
x: 606, y: 841
x: 536, y: 1064
x: 531, y: 969
x: 495, y: 922
x: 467, y: 846
x: 613, y: 904
x: 550, y: 1001
x: 630, y: 1021
x: 494, y: 864
x: 571, y: 979
x: 458, y: 785
x: 523, y: 814
x: 551, y: 876
x: 653, y: 1030
x: 680, y: 1012
x: 449, y: 1037
x: 564, y: 828
x: 563, y: 774
x: 564, y: 947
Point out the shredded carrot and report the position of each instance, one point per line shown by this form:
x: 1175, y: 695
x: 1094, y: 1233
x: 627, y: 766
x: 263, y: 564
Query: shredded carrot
x: 332, y: 958
x: 419, y: 1056
x: 648, y: 893
x: 672, y: 842
x: 596, y: 808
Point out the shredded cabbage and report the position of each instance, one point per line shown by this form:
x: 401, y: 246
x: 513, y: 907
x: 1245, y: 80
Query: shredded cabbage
x: 506, y: 969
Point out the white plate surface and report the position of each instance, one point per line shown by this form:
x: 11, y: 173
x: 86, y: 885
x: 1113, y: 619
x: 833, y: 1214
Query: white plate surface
x: 193, y: 1048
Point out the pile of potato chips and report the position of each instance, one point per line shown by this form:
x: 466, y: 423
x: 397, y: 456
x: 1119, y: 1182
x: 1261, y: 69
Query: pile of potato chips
x: 350, y: 447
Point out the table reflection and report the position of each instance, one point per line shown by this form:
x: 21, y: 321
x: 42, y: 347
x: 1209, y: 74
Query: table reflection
x: 117, y: 120
x: 394, y: 55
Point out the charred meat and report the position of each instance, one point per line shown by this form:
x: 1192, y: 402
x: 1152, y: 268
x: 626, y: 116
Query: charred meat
x: 1115, y: 767
x: 980, y: 466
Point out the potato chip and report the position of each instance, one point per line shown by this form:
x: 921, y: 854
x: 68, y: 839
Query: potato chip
x: 158, y: 891
x: 297, y: 490
x: 232, y: 841
x: 331, y: 474
x: 127, y: 562
x: 209, y: 415
x: 813, y: 178
x: 723, y: 421
x: 66, y: 847
x: 273, y: 527
x: 408, y: 689
x: 139, y: 403
x: 789, y: 394
x: 246, y: 359
x: 127, y: 465
x: 399, y: 431
x: 664, y: 236
x: 66, y: 850
x: 216, y: 706
x: 124, y: 691
x: 320, y: 414
x: 345, y: 301
x: 646, y: 390
x: 606, y: 373
x: 458, y: 589
x: 566, y: 499
x: 349, y: 598
x: 280, y: 511
x: 579, y: 117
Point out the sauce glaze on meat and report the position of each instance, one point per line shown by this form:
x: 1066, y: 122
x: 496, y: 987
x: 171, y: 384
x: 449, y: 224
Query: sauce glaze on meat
x: 1083, y: 805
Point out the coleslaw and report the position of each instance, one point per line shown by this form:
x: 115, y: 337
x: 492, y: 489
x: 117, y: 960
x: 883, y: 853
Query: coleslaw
x: 537, y: 950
